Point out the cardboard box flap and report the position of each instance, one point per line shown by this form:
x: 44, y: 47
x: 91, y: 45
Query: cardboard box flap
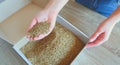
x: 15, y: 27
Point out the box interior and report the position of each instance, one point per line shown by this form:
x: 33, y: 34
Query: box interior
x: 58, y: 48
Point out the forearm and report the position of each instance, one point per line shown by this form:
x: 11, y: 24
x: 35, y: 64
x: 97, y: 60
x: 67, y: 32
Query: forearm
x: 56, y: 5
x: 115, y: 17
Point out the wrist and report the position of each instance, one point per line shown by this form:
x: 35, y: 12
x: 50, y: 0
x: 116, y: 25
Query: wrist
x: 110, y: 22
x: 115, y: 16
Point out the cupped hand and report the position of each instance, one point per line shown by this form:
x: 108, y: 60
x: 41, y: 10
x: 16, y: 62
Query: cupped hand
x: 101, y: 35
x: 43, y: 16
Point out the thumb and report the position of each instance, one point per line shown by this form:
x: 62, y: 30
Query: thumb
x: 34, y: 22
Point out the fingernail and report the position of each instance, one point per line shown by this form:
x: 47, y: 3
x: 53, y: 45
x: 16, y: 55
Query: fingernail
x: 87, y: 46
x: 91, y: 40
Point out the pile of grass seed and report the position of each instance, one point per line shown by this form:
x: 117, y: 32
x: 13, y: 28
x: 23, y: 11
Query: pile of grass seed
x: 40, y: 28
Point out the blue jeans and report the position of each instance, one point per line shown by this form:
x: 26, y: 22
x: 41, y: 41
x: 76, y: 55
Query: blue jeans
x: 104, y: 7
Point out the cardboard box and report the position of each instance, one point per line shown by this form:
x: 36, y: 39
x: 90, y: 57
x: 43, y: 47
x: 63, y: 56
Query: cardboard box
x: 64, y: 23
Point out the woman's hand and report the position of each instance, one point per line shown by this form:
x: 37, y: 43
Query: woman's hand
x: 101, y: 35
x: 49, y: 14
x: 42, y: 16
x: 103, y: 32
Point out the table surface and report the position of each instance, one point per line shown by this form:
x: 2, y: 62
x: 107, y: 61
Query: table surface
x: 81, y: 17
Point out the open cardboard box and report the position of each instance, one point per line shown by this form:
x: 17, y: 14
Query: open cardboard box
x: 13, y: 28
x: 64, y: 23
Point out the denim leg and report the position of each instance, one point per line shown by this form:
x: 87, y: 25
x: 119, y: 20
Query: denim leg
x: 92, y: 4
x: 106, y: 7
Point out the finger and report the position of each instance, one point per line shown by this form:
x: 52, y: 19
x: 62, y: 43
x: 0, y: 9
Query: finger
x: 90, y: 44
x: 28, y: 36
x: 32, y: 24
x: 52, y: 24
x: 32, y: 38
x: 95, y: 35
x: 99, y: 40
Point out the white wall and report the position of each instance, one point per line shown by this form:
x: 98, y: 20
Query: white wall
x: 8, y: 7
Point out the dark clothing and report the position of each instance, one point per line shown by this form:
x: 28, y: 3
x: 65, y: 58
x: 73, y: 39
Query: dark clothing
x: 104, y: 7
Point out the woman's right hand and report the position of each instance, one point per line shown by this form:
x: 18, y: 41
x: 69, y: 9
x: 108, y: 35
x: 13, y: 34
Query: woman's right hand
x: 43, y: 16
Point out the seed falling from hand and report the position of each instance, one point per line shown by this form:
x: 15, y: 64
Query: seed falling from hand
x: 40, y: 28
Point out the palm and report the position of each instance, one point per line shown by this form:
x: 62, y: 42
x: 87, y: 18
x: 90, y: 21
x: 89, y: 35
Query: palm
x: 101, y: 35
x: 42, y: 17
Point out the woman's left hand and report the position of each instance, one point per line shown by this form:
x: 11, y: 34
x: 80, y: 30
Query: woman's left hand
x: 101, y: 35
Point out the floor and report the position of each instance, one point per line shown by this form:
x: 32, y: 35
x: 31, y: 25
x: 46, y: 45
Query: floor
x: 8, y: 56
